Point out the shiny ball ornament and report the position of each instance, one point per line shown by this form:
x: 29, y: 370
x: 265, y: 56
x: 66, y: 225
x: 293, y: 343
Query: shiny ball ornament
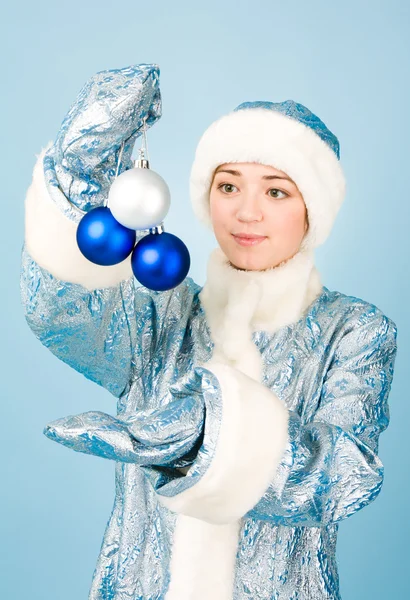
x: 139, y: 198
x: 160, y: 261
x: 102, y: 239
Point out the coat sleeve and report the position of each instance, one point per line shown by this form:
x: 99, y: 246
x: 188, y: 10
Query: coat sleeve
x: 95, y: 318
x: 260, y: 459
x: 92, y: 317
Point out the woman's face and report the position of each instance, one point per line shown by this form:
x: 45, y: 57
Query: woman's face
x: 262, y: 204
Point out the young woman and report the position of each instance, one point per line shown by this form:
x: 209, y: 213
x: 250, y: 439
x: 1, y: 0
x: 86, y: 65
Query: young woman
x: 248, y: 410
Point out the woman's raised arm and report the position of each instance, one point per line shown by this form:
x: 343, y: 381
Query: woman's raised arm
x: 90, y: 316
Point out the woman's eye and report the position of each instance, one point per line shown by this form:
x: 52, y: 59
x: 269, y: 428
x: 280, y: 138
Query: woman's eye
x: 229, y: 187
x: 280, y: 192
x: 224, y: 185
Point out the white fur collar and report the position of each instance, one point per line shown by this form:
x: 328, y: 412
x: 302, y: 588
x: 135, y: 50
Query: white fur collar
x: 236, y: 303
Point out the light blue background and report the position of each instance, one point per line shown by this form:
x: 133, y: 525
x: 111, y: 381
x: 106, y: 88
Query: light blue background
x: 349, y: 63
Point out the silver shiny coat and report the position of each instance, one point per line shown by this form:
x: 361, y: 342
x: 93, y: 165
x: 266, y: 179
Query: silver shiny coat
x: 333, y: 369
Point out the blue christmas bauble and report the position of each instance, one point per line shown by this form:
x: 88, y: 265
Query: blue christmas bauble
x: 160, y: 261
x: 102, y: 239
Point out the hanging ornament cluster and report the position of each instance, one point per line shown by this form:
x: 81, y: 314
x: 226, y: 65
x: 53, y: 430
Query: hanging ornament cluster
x: 138, y: 199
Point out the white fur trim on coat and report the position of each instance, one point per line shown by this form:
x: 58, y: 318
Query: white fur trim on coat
x: 272, y: 138
x: 266, y: 300
x: 252, y: 438
x: 254, y: 424
x: 202, y: 564
x: 50, y: 239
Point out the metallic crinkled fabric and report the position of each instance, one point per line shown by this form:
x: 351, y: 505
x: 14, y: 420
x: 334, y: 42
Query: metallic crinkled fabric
x: 301, y: 113
x: 109, y: 110
x: 333, y: 368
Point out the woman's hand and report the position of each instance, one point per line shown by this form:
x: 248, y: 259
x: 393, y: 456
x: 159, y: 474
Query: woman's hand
x: 150, y: 437
x: 110, y: 109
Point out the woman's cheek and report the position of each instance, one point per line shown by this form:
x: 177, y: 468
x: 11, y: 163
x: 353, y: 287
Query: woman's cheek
x: 290, y: 218
x: 221, y: 215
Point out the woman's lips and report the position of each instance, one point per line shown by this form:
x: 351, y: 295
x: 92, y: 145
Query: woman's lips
x: 248, y: 240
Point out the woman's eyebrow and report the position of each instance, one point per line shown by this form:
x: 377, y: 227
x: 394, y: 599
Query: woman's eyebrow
x: 276, y: 177
x: 238, y: 173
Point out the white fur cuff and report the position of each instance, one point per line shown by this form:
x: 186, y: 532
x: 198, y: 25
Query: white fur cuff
x: 50, y: 239
x: 252, y: 438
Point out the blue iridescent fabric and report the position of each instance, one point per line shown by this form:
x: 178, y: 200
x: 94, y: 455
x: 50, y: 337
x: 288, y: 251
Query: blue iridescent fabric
x: 110, y: 109
x: 300, y: 113
x: 333, y: 369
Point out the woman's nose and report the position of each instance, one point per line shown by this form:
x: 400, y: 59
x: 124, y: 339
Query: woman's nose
x: 249, y: 209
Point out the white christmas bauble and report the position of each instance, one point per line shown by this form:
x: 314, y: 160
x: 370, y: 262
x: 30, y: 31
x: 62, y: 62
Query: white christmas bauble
x: 139, y: 198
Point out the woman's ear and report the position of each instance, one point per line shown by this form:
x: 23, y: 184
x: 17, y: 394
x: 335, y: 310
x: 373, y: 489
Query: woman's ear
x: 306, y: 222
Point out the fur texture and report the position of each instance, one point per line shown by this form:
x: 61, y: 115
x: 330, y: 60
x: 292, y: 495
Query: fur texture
x: 203, y: 560
x: 269, y: 137
x: 50, y: 239
x: 239, y: 302
x: 253, y: 433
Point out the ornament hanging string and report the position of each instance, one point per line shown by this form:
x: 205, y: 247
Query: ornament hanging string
x: 144, y: 147
x: 143, y: 153
x: 119, y: 159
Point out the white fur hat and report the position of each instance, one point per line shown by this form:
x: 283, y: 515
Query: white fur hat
x: 287, y: 136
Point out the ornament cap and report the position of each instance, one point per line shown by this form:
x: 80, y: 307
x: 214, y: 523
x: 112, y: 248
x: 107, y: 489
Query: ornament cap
x: 141, y: 163
x: 157, y: 229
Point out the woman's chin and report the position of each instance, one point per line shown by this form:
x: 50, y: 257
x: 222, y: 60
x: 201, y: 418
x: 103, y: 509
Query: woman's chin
x: 247, y: 261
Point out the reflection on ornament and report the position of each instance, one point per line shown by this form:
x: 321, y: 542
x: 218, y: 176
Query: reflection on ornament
x: 160, y: 261
x: 139, y: 198
x: 102, y: 239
